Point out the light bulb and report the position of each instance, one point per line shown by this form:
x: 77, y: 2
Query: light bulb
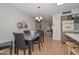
x: 40, y: 17
x: 36, y: 18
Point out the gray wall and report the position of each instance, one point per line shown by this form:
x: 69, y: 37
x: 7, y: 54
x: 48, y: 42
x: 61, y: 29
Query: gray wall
x: 9, y: 16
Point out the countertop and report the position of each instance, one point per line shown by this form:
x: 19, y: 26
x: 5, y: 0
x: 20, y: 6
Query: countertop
x: 74, y: 36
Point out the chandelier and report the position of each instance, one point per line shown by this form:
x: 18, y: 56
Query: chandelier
x: 38, y: 18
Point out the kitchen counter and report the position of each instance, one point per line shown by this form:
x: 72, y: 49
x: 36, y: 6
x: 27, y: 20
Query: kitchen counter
x: 73, y: 37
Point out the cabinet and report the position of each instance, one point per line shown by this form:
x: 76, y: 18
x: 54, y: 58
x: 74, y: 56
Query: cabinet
x: 67, y: 17
x: 64, y: 17
x: 68, y: 26
x: 70, y: 17
x: 69, y: 23
x: 75, y: 16
x: 64, y: 38
x: 76, y: 25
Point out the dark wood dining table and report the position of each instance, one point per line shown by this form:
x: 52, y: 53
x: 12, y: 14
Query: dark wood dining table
x: 30, y: 38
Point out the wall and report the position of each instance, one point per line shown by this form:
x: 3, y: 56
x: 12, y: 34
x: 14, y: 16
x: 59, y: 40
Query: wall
x: 57, y: 24
x: 56, y: 27
x: 9, y: 16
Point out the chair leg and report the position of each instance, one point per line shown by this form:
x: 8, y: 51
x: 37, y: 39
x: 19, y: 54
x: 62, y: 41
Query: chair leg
x: 39, y: 46
x: 24, y: 52
x: 14, y: 50
x: 42, y: 43
x: 43, y: 38
x: 17, y: 51
x: 33, y: 47
x: 11, y: 49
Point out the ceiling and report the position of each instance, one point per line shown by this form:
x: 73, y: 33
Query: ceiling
x: 46, y: 9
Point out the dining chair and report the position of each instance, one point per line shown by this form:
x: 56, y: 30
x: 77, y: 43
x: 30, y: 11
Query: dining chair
x: 39, y: 40
x: 41, y: 36
x: 20, y: 42
x: 27, y: 32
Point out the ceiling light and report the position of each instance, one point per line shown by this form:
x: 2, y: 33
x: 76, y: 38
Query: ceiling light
x: 38, y: 18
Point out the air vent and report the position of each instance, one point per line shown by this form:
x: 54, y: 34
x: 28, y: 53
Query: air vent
x: 67, y: 12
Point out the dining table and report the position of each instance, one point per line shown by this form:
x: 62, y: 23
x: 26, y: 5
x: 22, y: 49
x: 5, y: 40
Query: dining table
x: 29, y: 38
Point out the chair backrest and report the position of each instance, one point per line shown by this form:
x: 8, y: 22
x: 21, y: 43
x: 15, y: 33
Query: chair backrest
x: 41, y: 32
x: 19, y: 40
x: 27, y: 31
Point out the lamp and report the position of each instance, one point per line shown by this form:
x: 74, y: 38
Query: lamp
x: 38, y: 18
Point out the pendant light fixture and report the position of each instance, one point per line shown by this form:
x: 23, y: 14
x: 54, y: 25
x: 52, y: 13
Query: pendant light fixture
x: 38, y: 18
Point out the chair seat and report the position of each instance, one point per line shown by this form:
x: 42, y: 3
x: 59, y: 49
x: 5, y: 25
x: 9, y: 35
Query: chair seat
x: 26, y: 47
x: 75, y: 51
x: 35, y: 42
